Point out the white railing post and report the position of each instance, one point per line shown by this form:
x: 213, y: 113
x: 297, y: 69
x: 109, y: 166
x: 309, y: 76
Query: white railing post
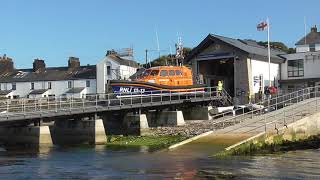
x: 83, y: 104
x: 56, y: 104
x: 60, y: 102
x: 70, y: 103
x: 22, y: 107
x: 7, y: 103
x: 40, y: 104
x: 96, y: 101
x: 141, y: 97
x: 108, y: 96
x: 203, y: 95
x: 48, y: 103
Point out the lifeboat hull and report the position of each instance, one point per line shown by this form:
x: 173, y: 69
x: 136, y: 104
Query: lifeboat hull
x: 136, y: 87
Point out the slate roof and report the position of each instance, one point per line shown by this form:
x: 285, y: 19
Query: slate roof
x: 38, y: 91
x: 5, y: 92
x: 122, y: 61
x: 248, y: 46
x: 75, y: 90
x: 311, y: 38
x: 50, y: 74
x: 302, y: 55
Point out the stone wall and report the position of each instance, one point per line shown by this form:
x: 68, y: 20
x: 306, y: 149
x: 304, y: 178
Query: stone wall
x: 295, y: 132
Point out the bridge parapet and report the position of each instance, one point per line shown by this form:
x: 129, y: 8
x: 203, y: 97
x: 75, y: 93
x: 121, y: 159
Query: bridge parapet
x: 22, y: 109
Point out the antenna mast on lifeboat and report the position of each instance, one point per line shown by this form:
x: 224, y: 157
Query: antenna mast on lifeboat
x: 179, y: 52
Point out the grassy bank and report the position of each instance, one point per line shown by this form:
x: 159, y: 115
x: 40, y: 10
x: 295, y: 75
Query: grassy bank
x: 154, y: 142
x: 260, y: 146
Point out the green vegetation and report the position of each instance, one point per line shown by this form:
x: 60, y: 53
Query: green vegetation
x: 278, y: 145
x: 155, y: 142
x: 168, y: 59
x: 278, y: 45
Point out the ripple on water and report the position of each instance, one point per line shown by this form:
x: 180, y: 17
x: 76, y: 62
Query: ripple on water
x: 89, y: 163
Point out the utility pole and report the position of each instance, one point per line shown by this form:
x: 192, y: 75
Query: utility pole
x: 146, y: 58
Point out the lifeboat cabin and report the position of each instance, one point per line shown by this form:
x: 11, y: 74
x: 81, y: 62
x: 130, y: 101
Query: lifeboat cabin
x: 168, y: 75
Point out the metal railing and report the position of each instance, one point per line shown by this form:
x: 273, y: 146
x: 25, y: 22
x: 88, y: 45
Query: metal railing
x: 266, y: 110
x: 24, y: 107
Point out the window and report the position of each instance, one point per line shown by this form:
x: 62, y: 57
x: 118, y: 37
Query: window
x: 171, y: 73
x: 69, y: 84
x: 154, y: 73
x: 295, y: 68
x: 164, y: 73
x: 178, y: 72
x: 32, y: 86
x: 87, y: 83
x: 108, y: 70
x: 13, y: 86
x: 146, y: 73
x: 49, y: 85
x: 312, y: 47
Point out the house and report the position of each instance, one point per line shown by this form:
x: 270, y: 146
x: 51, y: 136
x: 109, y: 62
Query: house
x: 42, y: 81
x: 301, y: 69
x: 242, y: 65
x: 115, y: 66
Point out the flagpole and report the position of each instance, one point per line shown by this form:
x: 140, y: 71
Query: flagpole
x: 268, y: 26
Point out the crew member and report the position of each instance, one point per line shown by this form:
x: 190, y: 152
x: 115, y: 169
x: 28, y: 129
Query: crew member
x: 220, y: 87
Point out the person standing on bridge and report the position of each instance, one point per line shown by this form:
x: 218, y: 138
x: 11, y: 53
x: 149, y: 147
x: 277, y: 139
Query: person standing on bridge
x: 220, y: 87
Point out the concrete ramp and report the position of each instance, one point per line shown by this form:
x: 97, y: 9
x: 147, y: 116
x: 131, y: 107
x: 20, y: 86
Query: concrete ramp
x: 240, y: 129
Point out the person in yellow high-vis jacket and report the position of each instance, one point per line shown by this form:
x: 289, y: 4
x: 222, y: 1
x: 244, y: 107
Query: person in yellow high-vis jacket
x: 220, y: 87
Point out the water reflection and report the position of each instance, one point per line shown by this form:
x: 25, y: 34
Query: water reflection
x: 101, y: 162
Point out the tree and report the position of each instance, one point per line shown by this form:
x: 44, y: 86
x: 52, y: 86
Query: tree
x: 168, y: 59
x: 274, y: 45
x: 291, y: 50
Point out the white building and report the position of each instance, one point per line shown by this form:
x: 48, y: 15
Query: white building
x: 114, y: 67
x: 40, y: 81
x: 302, y: 69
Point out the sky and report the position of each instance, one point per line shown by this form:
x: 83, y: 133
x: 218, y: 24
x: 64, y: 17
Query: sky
x: 54, y: 30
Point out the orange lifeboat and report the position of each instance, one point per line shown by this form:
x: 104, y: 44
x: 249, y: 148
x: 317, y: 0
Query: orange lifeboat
x: 161, y: 79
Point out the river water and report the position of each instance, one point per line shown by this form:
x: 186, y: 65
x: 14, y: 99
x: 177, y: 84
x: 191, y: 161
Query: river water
x: 189, y: 162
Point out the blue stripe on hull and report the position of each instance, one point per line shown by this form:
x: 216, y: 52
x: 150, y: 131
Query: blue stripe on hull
x: 135, y: 90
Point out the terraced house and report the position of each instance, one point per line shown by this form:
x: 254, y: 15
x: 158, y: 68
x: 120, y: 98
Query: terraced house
x: 41, y: 81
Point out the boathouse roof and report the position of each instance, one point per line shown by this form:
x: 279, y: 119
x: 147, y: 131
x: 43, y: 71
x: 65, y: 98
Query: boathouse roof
x: 252, y: 48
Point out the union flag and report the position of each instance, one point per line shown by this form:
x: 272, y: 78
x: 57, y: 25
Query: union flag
x: 262, y: 26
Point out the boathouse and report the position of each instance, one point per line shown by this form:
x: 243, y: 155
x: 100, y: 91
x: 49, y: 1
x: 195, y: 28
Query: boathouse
x: 242, y: 65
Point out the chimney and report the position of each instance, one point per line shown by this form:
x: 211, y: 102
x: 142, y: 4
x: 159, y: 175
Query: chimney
x: 314, y: 29
x: 39, y: 65
x: 6, y: 64
x: 73, y: 63
x: 110, y: 52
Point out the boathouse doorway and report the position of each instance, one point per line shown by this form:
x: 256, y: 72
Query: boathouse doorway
x: 216, y: 70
